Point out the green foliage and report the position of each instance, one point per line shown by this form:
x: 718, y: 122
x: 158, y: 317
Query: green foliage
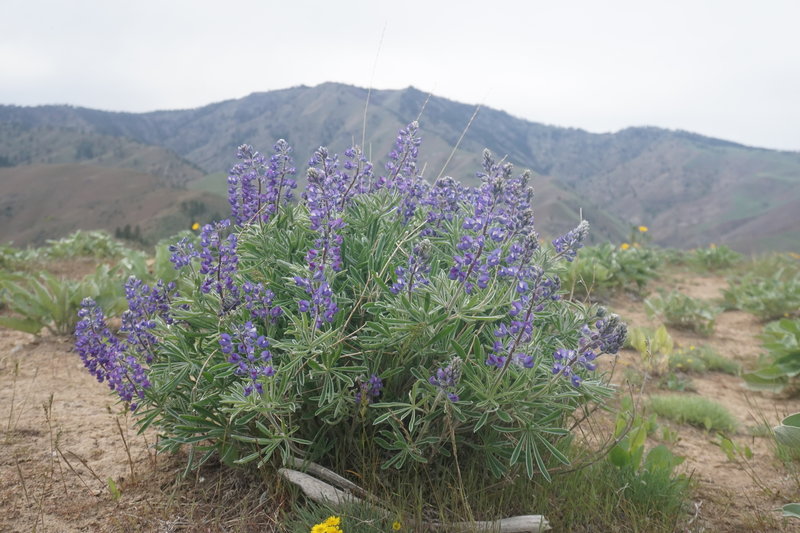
x: 713, y: 258
x: 700, y: 359
x: 13, y: 259
x: 655, y: 348
x: 694, y: 410
x: 767, y: 297
x: 97, y: 244
x: 780, y: 366
x: 602, y: 269
x: 647, y: 479
x: 788, y: 434
x: 45, y: 301
x: 681, y: 311
x: 506, y: 420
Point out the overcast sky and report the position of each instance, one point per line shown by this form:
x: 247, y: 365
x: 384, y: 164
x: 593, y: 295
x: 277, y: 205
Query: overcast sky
x: 728, y: 69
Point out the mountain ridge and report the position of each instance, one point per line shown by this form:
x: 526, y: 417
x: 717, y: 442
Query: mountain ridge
x: 689, y: 188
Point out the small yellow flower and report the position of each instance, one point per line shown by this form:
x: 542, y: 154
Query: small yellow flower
x: 396, y: 525
x: 330, y: 525
x: 691, y: 347
x: 643, y: 229
x: 624, y: 246
x: 712, y: 246
x: 195, y: 226
x: 794, y: 255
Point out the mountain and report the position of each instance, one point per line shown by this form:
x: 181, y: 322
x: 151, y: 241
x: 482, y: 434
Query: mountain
x: 689, y: 189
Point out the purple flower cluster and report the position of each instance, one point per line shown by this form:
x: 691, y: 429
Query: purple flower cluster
x: 368, y: 389
x: 568, y: 244
x: 258, y: 301
x: 183, y: 252
x: 325, y: 196
x: 502, y: 213
x: 145, y: 304
x: 608, y: 336
x: 534, y: 290
x: 442, y: 202
x: 256, y: 188
x: 104, y: 355
x: 247, y: 350
x: 357, y: 175
x: 412, y: 276
x: 218, y: 262
x: 402, y: 165
x: 447, y: 378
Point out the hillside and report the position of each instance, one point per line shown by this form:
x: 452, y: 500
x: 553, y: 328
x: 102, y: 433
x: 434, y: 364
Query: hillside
x: 94, y: 197
x: 691, y: 190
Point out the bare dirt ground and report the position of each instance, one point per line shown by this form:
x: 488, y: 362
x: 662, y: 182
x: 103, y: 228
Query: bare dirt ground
x: 730, y: 496
x: 63, y: 437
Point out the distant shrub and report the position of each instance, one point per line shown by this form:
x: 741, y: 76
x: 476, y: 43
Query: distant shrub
x: 684, y: 312
x: 96, y: 244
x: 713, y: 258
x: 767, y: 296
x: 602, y: 269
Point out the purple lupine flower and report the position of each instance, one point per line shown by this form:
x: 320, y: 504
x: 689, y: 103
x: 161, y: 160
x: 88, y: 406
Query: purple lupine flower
x: 258, y: 300
x: 104, y: 355
x: 412, y: 276
x: 256, y: 188
x: 218, y: 262
x: 357, y: 175
x: 447, y: 378
x: 145, y: 304
x: 568, y: 244
x: 325, y: 196
x: 501, y: 213
x: 442, y: 202
x: 402, y: 165
x: 368, y: 390
x: 608, y: 336
x: 247, y: 351
x: 182, y: 253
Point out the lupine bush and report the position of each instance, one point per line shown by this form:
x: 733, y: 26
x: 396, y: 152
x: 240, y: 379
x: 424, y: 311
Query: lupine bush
x: 377, y: 318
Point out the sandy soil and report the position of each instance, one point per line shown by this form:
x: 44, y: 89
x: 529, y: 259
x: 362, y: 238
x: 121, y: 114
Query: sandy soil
x: 63, y: 437
x: 731, y: 496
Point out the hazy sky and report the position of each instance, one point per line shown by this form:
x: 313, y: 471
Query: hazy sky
x: 728, y: 69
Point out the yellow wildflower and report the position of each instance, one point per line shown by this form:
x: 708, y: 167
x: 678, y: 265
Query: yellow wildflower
x: 396, y: 525
x: 643, y: 229
x: 624, y: 246
x: 330, y: 525
x: 691, y: 347
x: 712, y: 246
x: 195, y: 226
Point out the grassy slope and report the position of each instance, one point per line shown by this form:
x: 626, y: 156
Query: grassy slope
x: 48, y: 201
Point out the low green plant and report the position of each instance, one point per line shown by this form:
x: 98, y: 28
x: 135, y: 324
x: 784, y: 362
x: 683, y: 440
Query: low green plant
x: 605, y: 268
x: 97, y: 244
x: 700, y: 359
x: 694, y: 410
x: 684, y: 312
x: 713, y: 258
x: 779, y: 367
x: 788, y: 434
x: 766, y: 297
x: 14, y: 259
x: 46, y: 301
x: 654, y: 347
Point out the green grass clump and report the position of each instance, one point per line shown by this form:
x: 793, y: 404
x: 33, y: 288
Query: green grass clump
x: 700, y: 359
x: 694, y: 410
x: 684, y: 312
